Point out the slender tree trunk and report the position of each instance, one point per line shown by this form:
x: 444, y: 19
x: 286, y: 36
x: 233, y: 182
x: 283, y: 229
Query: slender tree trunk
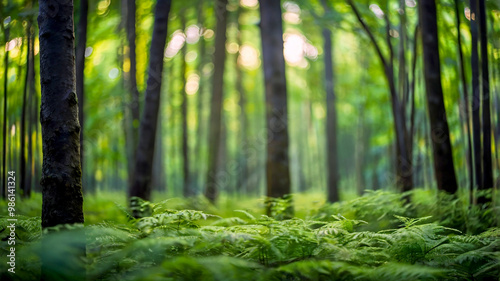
x: 214, y: 140
x: 404, y: 169
x: 25, y: 182
x: 158, y: 180
x: 81, y: 37
x: 485, y: 106
x: 132, y: 123
x: 4, y: 129
x: 31, y: 100
x: 476, y: 121
x: 465, y: 101
x: 277, y: 163
x: 184, y: 106
x: 331, y: 118
x: 143, y: 167
x: 131, y: 36
x: 243, y: 136
x: 443, y: 156
x: 200, y: 109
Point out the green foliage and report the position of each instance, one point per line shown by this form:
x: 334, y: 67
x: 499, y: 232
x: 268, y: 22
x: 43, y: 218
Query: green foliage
x: 184, y: 244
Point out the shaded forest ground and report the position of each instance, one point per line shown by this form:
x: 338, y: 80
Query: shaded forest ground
x: 373, y: 237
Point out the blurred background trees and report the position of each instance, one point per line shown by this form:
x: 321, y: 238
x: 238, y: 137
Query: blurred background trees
x: 356, y: 97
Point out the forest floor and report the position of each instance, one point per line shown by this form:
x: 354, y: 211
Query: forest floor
x: 373, y: 237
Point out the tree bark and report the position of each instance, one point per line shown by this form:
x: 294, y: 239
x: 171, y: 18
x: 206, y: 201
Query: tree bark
x: 476, y: 121
x: 443, y: 157
x: 134, y: 105
x: 465, y: 100
x: 81, y: 37
x: 485, y: 106
x: 277, y: 162
x: 241, y: 180
x: 211, y: 191
x: 184, y: 106
x: 143, y: 167
x: 4, y: 129
x: 331, y: 119
x: 31, y: 100
x: 61, y: 176
x: 26, y: 176
x: 200, y: 108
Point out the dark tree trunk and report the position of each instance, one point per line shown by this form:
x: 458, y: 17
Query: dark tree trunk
x: 81, y: 37
x: 476, y: 121
x: 465, y: 100
x: 200, y: 108
x: 61, y: 176
x: 443, y: 157
x: 243, y: 138
x: 23, y: 128
x: 331, y: 120
x: 158, y: 180
x: 214, y: 140
x: 184, y: 106
x: 31, y: 100
x: 277, y: 162
x: 243, y: 174
x: 28, y: 90
x: 134, y: 105
x: 485, y: 106
x: 143, y: 167
x: 62, y: 200
x: 4, y: 129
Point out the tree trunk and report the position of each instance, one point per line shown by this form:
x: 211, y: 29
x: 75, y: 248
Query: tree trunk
x: 4, y: 129
x: 485, y: 106
x: 243, y: 138
x: 443, y: 157
x: 134, y: 105
x: 81, y: 37
x: 61, y: 176
x: 404, y: 169
x: 331, y: 120
x: 132, y: 109
x: 476, y: 121
x: 465, y: 107
x: 184, y: 107
x: 211, y: 191
x: 143, y: 167
x: 277, y: 162
x: 25, y: 176
x: 200, y: 109
x: 31, y: 100
x: 62, y: 200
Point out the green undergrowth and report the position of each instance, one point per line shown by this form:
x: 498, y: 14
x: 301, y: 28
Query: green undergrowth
x: 374, y: 237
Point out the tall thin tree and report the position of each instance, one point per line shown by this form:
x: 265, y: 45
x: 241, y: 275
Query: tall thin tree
x: 465, y: 99
x: 5, y: 30
x: 143, y: 166
x: 331, y: 112
x: 476, y: 92
x: 134, y: 106
x: 485, y: 105
x: 215, y: 132
x: 184, y: 113
x: 277, y: 161
x: 441, y: 146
